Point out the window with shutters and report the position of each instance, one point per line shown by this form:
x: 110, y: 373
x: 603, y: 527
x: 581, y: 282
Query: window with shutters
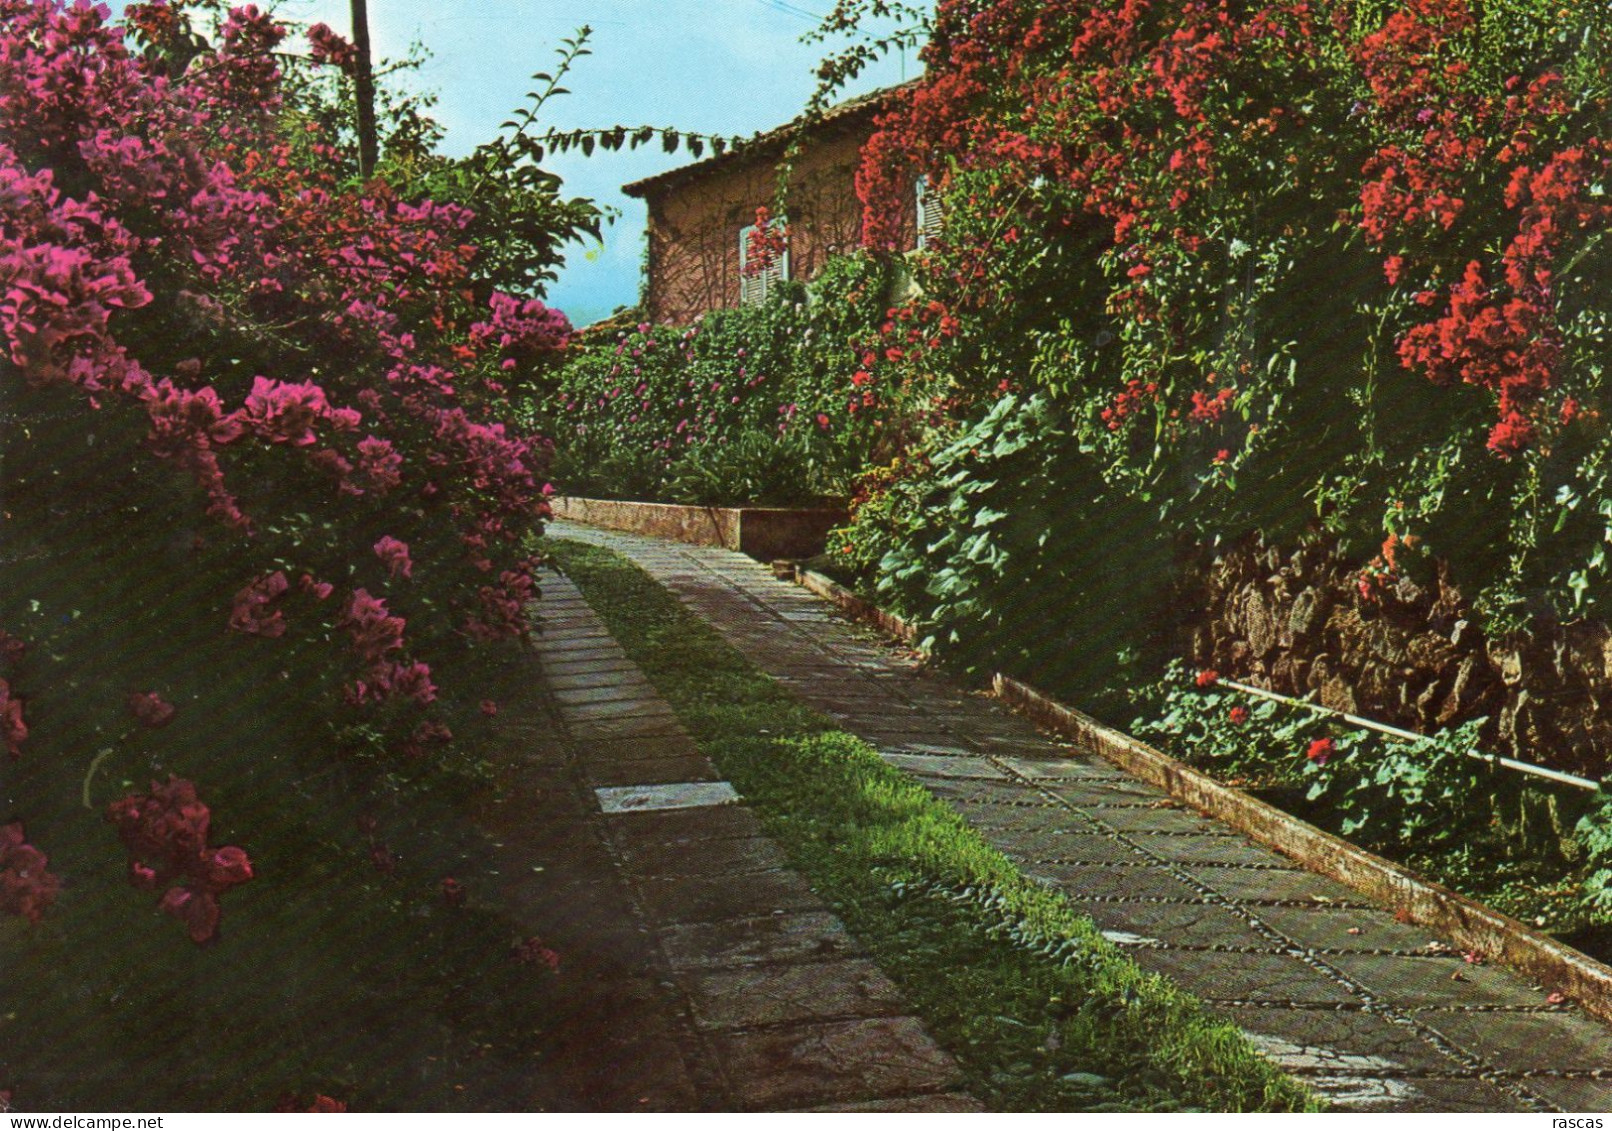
x: 761, y: 268
x: 929, y: 214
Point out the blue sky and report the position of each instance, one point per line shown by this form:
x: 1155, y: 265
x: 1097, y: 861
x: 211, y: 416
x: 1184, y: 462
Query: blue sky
x: 713, y: 66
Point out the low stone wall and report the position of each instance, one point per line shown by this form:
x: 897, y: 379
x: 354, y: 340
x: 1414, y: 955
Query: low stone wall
x: 765, y: 533
x: 1293, y: 621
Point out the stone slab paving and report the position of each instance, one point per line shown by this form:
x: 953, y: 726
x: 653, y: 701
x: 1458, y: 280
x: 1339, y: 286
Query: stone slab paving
x: 753, y: 995
x: 1371, y: 1013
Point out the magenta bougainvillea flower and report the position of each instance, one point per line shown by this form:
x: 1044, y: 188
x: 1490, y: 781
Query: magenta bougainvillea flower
x: 342, y: 352
x: 396, y: 556
x: 151, y: 709
x: 251, y: 613
x: 326, y: 46
x: 166, y: 833
x: 27, y: 886
x: 13, y: 730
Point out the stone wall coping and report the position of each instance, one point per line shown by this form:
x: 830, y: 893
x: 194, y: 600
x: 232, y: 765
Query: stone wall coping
x: 766, y: 533
x: 1465, y: 922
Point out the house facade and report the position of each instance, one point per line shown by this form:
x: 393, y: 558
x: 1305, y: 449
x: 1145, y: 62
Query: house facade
x: 701, y: 215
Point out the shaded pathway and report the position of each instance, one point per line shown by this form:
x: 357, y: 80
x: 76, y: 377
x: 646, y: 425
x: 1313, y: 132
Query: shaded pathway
x: 738, y: 989
x: 1369, y: 1012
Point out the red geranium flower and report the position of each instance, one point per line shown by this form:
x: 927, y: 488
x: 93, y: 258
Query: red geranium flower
x: 1208, y: 677
x: 1320, y: 750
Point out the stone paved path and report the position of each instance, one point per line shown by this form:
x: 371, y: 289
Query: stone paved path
x: 747, y: 993
x: 1370, y: 1012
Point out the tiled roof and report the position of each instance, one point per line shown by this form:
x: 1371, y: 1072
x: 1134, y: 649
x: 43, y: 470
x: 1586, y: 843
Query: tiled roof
x: 772, y: 140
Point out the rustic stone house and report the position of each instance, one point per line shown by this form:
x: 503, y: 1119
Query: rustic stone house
x: 701, y: 215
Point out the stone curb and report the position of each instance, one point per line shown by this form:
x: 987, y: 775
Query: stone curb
x: 1465, y: 922
x: 857, y: 608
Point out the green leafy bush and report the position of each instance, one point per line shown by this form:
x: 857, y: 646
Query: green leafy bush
x: 1013, y: 552
x: 1375, y: 790
x: 745, y: 406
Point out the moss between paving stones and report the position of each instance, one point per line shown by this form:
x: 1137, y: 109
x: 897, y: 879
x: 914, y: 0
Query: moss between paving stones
x: 1042, y: 1012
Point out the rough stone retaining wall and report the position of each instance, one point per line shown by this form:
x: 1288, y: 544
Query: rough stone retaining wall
x: 1293, y: 621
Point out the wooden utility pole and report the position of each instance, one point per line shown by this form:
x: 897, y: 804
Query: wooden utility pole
x: 364, y: 82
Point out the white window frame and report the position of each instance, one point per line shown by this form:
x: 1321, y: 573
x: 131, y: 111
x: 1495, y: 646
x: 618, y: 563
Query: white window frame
x: 754, y: 289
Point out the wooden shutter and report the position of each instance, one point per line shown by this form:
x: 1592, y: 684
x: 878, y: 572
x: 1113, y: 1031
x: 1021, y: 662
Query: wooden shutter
x: 930, y: 216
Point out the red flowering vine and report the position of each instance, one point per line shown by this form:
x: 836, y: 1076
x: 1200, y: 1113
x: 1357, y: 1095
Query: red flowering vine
x: 766, y: 243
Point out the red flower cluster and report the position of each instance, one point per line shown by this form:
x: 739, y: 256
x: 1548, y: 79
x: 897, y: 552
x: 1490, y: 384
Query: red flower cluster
x: 166, y: 833
x: 766, y: 244
x: 251, y: 612
x: 27, y: 887
x: 1206, y: 409
x: 532, y: 952
x: 151, y: 709
x: 1130, y: 401
x: 326, y: 46
x: 1321, y: 750
x: 13, y: 730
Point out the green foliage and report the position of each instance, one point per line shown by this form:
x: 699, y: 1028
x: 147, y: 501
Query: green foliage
x: 746, y: 406
x: 522, y: 221
x: 1428, y: 793
x: 1379, y: 792
x: 752, y: 467
x: 1594, y: 833
x: 1197, y: 725
x: 1014, y: 552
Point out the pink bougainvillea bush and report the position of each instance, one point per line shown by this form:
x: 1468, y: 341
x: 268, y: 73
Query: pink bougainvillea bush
x: 264, y: 549
x: 200, y: 308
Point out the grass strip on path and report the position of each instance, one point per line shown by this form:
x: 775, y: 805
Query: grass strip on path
x: 1041, y: 1011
